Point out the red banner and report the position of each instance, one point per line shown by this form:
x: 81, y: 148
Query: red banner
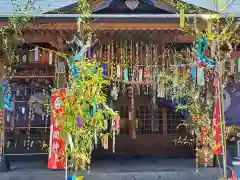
x: 217, y: 149
x: 56, y: 159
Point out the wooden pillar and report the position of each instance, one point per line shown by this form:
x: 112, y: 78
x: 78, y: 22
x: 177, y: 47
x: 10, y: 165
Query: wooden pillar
x: 164, y: 119
x: 133, y: 116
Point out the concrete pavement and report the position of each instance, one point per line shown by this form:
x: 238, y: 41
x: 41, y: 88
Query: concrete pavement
x: 136, y: 169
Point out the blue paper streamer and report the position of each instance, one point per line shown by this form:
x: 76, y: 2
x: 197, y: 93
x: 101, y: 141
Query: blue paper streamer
x: 79, y: 56
x: 8, y: 104
x: 104, y: 67
x: 201, y: 57
x: 194, y: 72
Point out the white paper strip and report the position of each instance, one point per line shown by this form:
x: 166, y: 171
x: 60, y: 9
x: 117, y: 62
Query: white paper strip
x: 36, y: 54
x: 50, y: 57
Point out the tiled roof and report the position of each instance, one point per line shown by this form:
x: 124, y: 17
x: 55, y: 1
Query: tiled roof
x: 47, y: 5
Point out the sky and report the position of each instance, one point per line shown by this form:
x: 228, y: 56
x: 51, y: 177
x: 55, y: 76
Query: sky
x: 46, y: 5
x: 209, y: 4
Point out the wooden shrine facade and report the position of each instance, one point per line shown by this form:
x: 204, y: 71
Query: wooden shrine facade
x: 133, y: 45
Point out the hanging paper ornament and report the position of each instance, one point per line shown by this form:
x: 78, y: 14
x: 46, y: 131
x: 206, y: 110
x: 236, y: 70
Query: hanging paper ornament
x: 74, y: 177
x: 176, y: 75
x: 209, y: 26
x: 125, y: 74
x: 70, y: 141
x: 117, y: 123
x: 94, y: 111
x: 182, y: 18
x: 75, y: 72
x: 79, y: 122
x: 50, y: 58
x: 105, y: 70
x: 238, y: 65
x: 36, y: 54
x: 80, y: 55
x: 70, y: 95
x: 161, y: 90
x: 44, y: 57
x: 114, y: 93
x: 89, y: 52
x: 232, y: 66
x: 194, y: 72
x: 200, y: 77
x: 140, y: 75
x: 105, y: 124
x: 105, y: 141
x: 118, y: 71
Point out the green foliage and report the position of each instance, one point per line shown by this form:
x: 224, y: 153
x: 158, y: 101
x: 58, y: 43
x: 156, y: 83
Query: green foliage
x: 87, y: 92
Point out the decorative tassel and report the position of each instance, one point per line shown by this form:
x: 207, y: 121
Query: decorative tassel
x: 200, y: 77
x: 79, y: 122
x: 44, y: 57
x: 36, y: 54
x: 125, y: 74
x: 50, y: 58
x: 140, y: 75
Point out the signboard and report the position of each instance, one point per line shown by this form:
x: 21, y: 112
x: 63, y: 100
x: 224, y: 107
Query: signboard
x: 56, y: 159
x: 232, y: 103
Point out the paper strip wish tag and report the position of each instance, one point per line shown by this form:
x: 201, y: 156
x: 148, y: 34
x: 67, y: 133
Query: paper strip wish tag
x: 105, y: 141
x: 182, y: 18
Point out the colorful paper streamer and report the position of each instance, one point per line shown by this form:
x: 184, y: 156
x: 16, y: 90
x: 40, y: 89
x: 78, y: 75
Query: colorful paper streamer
x: 182, y: 18
x: 79, y: 122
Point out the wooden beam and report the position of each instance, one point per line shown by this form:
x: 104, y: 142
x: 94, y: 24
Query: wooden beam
x: 108, y: 26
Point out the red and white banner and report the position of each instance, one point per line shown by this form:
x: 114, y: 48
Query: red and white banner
x: 217, y: 149
x: 56, y: 159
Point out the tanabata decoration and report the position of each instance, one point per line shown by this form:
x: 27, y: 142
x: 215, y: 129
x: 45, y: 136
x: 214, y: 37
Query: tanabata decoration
x: 201, y: 58
x: 36, y: 53
x: 8, y: 104
x: 105, y: 70
x: 75, y: 178
x: 79, y: 122
x: 1, y: 99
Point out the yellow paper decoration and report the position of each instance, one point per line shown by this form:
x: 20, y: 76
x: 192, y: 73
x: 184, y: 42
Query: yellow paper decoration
x: 209, y: 26
x: 80, y: 178
x: 182, y: 18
